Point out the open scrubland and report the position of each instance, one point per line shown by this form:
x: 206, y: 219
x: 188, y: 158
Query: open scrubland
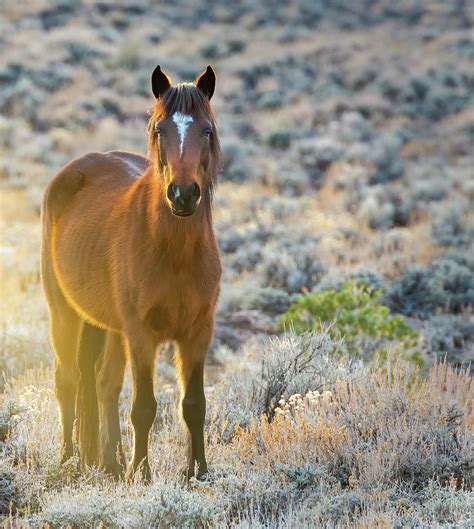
x: 339, y: 384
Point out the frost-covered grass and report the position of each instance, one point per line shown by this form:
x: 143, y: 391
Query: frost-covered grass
x: 296, y: 437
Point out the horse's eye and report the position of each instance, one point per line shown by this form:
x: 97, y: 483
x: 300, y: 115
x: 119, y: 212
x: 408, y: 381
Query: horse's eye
x: 207, y: 132
x: 158, y: 130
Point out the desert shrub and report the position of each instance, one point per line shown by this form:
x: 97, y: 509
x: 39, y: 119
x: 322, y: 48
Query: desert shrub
x: 269, y: 299
x: 250, y: 297
x: 317, y: 154
x: 254, y: 496
x: 160, y: 505
x: 11, y: 74
x: 290, y: 180
x: 434, y: 94
x: 283, y: 366
x: 236, y: 45
x: 366, y: 325
x: 294, y: 75
x: 235, y: 160
x: 387, y: 162
x: 232, y: 238
x: 371, y: 281
x: 216, y: 50
x: 444, y: 285
x: 181, y: 66
x: 446, y: 504
x: 429, y: 190
x: 364, y: 77
x: 378, y: 216
x: 247, y: 256
x: 280, y: 139
x: 373, y: 435
x: 246, y: 130
x: 329, y: 506
x: 382, y: 209
x: 230, y: 242
x: 252, y: 75
x: 213, y: 50
x: 353, y: 127
x: 79, y: 52
x: 57, y: 15
x: 290, y: 265
x: 243, y: 245
x: 50, y: 78
x: 352, y: 138
x: 449, y: 228
x: 90, y: 108
x: 79, y: 509
x: 450, y: 335
x: 270, y: 100
x: 23, y: 99
x: 175, y: 507
x: 7, y: 489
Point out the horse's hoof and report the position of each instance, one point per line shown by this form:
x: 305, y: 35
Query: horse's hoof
x: 71, y: 463
x: 66, y: 456
x: 202, y: 473
x: 204, y: 478
x: 141, y: 473
x: 114, y: 470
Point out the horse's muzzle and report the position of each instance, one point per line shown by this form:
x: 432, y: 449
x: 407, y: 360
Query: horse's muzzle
x: 183, y: 200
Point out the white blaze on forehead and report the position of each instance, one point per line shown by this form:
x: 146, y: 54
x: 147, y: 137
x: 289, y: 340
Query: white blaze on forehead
x: 182, y: 123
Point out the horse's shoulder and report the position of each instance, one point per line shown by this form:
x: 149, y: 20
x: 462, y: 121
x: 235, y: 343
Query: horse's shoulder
x: 133, y: 164
x: 60, y: 190
x: 91, y: 170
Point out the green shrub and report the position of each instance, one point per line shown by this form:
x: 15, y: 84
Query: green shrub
x: 355, y: 313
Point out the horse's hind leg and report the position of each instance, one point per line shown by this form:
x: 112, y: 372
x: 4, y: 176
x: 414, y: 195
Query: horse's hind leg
x: 91, y: 347
x: 65, y: 329
x: 109, y: 380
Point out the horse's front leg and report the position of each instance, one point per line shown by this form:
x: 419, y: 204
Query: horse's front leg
x: 142, y: 349
x: 191, y: 356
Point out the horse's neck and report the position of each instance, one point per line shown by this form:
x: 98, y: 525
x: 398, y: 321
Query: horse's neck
x: 180, y: 237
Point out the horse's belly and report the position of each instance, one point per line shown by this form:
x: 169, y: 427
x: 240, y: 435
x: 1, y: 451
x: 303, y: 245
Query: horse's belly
x: 90, y: 302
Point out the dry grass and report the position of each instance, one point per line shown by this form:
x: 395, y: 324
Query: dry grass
x: 378, y: 444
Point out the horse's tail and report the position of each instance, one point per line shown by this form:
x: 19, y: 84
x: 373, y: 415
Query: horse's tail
x: 91, y: 344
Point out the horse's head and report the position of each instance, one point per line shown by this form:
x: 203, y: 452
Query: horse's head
x: 183, y: 141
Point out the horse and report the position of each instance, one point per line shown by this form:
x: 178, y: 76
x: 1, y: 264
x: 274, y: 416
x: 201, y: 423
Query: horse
x: 129, y: 260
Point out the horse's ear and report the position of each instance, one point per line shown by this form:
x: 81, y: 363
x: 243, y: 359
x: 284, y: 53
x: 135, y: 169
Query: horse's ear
x: 160, y: 82
x: 206, y: 81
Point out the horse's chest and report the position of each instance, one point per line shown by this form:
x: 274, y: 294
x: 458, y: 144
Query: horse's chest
x: 179, y: 303
x: 173, y: 322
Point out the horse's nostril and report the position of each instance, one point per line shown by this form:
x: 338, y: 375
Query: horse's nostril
x: 173, y: 192
x: 196, y: 190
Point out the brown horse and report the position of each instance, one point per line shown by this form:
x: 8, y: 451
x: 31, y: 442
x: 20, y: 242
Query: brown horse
x: 129, y: 259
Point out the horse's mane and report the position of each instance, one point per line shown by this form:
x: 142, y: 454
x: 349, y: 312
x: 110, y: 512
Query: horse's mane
x: 186, y: 98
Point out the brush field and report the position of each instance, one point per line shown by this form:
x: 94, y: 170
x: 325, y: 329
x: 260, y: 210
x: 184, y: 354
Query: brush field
x: 347, y: 132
